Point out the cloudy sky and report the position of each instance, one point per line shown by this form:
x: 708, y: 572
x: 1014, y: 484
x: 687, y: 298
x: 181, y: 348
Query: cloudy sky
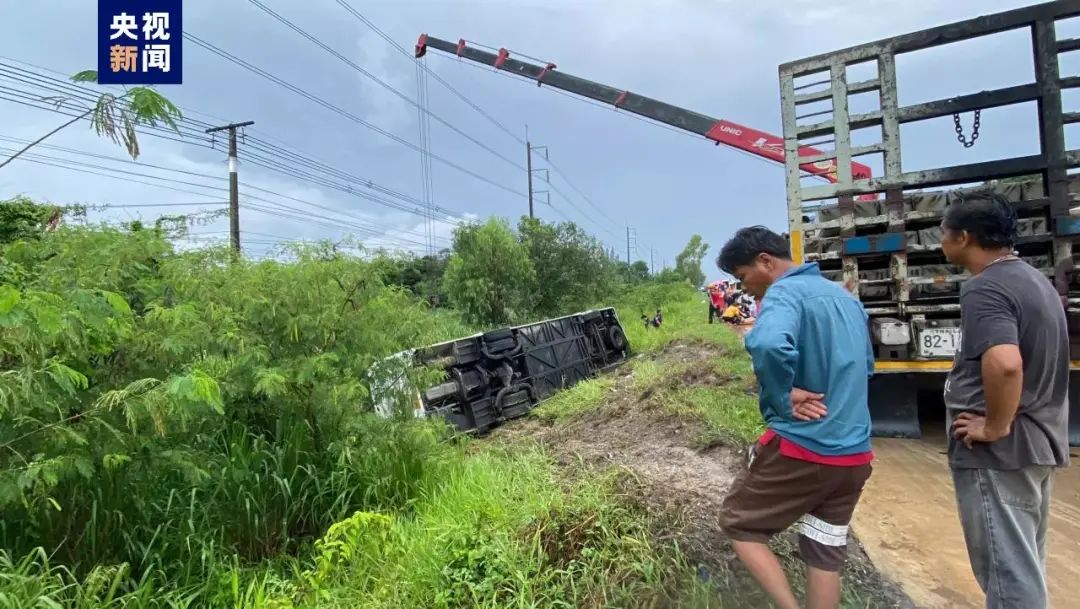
x: 717, y: 57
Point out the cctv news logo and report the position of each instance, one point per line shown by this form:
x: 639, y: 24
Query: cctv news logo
x: 139, y: 42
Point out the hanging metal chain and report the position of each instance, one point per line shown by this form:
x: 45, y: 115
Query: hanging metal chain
x: 960, y: 130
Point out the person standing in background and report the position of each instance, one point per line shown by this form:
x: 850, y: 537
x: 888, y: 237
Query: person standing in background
x: 716, y: 300
x: 811, y: 353
x: 1007, y: 402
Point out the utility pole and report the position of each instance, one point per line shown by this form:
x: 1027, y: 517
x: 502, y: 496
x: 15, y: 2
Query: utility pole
x: 631, y: 242
x: 234, y: 185
x: 652, y: 262
x: 529, y: 149
x: 528, y: 164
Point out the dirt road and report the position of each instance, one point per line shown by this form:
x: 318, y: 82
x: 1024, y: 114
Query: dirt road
x: 908, y: 524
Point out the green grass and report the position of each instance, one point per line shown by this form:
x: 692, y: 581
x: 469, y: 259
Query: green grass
x: 424, y: 523
x: 730, y: 411
x: 685, y: 316
x: 580, y: 398
x: 649, y: 374
x: 728, y: 408
x: 729, y: 416
x: 502, y: 529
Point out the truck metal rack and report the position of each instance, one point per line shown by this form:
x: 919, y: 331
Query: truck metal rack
x: 887, y: 252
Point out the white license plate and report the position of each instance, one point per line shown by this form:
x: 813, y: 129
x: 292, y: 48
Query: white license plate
x: 938, y: 342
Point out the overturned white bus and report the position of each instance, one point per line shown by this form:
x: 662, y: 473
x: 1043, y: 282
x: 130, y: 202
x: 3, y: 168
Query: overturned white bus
x: 495, y: 376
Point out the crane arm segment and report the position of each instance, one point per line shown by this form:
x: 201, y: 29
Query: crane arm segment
x: 720, y: 131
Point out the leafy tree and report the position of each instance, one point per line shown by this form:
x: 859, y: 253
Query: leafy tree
x: 572, y: 270
x: 688, y: 262
x: 21, y: 218
x: 668, y: 276
x: 116, y: 117
x: 635, y: 273
x: 489, y: 277
x: 421, y: 275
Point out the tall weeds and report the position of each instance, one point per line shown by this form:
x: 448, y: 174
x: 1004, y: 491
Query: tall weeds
x: 179, y: 430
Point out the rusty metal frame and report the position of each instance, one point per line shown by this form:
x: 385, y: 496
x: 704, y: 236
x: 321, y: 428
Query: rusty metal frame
x: 1046, y: 90
x: 1052, y: 163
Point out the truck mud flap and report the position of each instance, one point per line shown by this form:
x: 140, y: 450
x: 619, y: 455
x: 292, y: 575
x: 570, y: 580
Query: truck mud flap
x: 894, y: 409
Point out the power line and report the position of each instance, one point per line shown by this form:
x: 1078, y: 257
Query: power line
x: 599, y: 105
x: 443, y: 82
x: 89, y: 96
x: 259, y: 160
x: 159, y: 167
x: 481, y: 111
x: 111, y: 206
x: 426, y: 111
x: 291, y: 213
x: 424, y: 127
x: 336, y: 109
x: 284, y: 212
x: 324, y: 221
x: 579, y: 192
x: 602, y: 106
x: 256, y: 158
x: 247, y: 232
x: 65, y: 76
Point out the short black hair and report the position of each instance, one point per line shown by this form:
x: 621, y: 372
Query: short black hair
x: 747, y: 244
x: 987, y: 216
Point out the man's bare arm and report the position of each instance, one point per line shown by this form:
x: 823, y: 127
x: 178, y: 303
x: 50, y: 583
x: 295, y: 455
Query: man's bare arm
x: 1003, y: 381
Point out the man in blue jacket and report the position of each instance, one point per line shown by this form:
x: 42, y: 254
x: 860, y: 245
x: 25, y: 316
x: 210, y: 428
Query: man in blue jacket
x: 811, y: 353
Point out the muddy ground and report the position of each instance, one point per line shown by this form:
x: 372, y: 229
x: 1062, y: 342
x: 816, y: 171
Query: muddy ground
x: 682, y: 481
x: 908, y: 521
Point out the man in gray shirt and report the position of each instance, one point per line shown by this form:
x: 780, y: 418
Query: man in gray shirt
x: 1007, y: 402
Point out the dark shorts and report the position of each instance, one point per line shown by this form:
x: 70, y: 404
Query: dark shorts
x: 776, y: 492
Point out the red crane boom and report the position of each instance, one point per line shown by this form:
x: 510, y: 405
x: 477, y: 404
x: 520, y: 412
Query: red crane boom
x: 765, y: 145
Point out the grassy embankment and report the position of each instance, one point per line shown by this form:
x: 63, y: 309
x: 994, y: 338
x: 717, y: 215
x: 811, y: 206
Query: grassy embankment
x: 728, y: 409
x: 182, y: 432
x: 214, y: 447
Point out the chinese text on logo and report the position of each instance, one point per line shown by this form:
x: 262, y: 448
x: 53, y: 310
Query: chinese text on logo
x: 139, y: 42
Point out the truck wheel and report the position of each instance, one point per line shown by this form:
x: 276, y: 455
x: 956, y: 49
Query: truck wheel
x: 516, y: 404
x: 616, y: 338
x: 500, y: 344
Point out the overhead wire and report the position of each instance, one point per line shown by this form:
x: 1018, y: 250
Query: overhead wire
x: 430, y: 172
x: 383, y: 234
x: 338, y: 110
x: 616, y: 110
x: 162, y: 168
x: 359, y: 16
x: 261, y: 144
x: 262, y: 161
x: 420, y: 107
x: 553, y: 167
x: 292, y: 213
x: 344, y: 4
x: 88, y: 96
x: 217, y: 178
x: 611, y: 109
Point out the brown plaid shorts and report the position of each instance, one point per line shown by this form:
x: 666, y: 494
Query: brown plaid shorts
x: 776, y: 492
